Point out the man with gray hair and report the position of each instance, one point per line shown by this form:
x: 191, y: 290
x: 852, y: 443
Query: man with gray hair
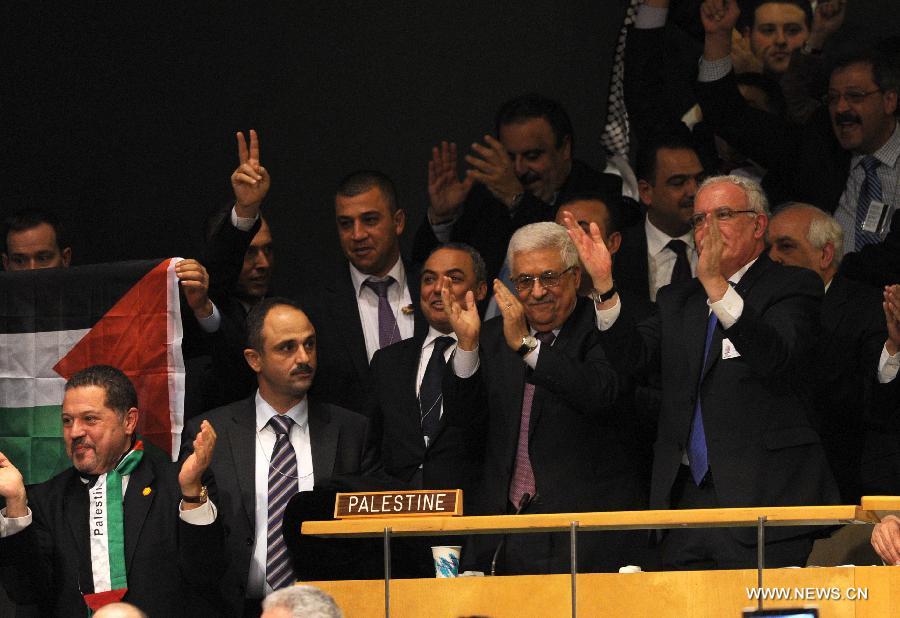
x: 554, y: 444
x: 734, y: 428
x: 300, y: 602
x: 850, y: 369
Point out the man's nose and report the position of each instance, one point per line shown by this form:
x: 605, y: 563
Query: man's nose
x: 359, y: 230
x: 520, y: 165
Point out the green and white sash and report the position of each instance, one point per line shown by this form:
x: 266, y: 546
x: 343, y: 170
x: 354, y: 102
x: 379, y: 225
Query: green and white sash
x: 107, y: 530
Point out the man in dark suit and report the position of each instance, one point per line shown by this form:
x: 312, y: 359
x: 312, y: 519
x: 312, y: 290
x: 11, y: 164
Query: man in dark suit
x: 515, y: 178
x: 845, y: 159
x: 425, y: 411
x: 734, y: 428
x: 367, y: 303
x: 847, y: 378
x: 553, y: 442
x: 123, y: 522
x: 273, y: 445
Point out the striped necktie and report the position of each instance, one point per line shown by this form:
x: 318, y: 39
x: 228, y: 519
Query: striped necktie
x: 282, y: 487
x: 868, y: 193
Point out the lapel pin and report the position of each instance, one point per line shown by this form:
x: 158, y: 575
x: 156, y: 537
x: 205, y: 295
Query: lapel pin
x: 407, y: 309
x: 147, y: 491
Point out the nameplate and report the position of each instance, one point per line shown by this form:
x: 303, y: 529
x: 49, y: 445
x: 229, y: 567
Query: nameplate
x: 417, y: 503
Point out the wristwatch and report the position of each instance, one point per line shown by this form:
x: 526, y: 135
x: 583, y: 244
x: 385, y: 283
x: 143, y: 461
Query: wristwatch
x: 201, y: 499
x: 602, y: 297
x: 529, y: 343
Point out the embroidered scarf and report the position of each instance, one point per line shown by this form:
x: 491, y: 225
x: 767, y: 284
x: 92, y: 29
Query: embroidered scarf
x: 107, y: 532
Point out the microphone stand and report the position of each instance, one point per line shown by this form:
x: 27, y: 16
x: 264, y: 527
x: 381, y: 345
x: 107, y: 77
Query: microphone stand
x: 523, y: 503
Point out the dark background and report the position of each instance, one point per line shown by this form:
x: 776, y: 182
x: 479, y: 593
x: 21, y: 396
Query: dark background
x: 121, y: 116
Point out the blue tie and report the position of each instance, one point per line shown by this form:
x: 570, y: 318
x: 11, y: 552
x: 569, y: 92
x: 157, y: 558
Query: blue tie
x: 697, y: 455
x: 869, y: 192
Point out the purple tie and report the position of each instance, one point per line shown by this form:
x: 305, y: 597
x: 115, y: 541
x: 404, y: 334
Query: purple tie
x: 523, y: 474
x: 282, y: 487
x: 697, y: 454
x: 388, y: 331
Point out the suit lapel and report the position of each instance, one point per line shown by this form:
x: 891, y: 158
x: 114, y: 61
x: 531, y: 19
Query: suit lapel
x: 408, y: 369
x: 832, y: 304
x: 420, y: 324
x: 241, y: 442
x: 137, y: 505
x: 346, y: 312
x: 323, y: 440
x: 696, y: 317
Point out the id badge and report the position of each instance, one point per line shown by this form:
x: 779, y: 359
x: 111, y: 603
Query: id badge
x: 875, y: 217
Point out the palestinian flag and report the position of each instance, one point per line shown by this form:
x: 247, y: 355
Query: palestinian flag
x: 56, y: 322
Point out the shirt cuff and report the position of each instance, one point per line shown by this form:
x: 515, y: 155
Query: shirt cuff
x: 11, y: 525
x: 714, y: 70
x: 203, y: 515
x: 465, y: 362
x: 648, y: 17
x: 242, y: 223
x: 532, y: 357
x: 607, y: 317
x: 888, y: 366
x: 443, y: 230
x: 728, y: 309
x: 211, y: 323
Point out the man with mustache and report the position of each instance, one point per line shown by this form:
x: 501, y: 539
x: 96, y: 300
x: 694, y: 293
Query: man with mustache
x: 272, y: 445
x: 123, y: 523
x: 514, y: 178
x: 844, y: 159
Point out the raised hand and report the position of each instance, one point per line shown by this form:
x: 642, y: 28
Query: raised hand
x: 464, y: 320
x: 892, y: 317
x: 195, y: 284
x: 491, y: 166
x: 515, y: 325
x: 445, y: 190
x: 12, y: 488
x: 886, y: 539
x: 250, y: 181
x: 191, y: 474
x: 719, y: 16
x: 709, y: 264
x: 828, y: 19
x: 595, y: 257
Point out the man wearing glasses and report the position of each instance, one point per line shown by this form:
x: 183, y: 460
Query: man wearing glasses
x: 553, y: 442
x: 734, y: 428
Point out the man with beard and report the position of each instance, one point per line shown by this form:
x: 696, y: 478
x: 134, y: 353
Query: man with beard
x: 844, y: 160
x: 272, y: 445
x: 514, y: 178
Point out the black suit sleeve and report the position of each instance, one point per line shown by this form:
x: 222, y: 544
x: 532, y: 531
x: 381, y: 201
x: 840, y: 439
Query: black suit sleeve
x: 25, y: 563
x: 223, y: 255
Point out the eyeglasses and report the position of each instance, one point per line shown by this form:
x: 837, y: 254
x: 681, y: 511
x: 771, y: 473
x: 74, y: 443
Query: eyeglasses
x: 852, y: 97
x: 722, y: 214
x: 549, y: 279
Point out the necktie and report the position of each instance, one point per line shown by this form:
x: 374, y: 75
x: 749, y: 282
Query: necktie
x: 697, y: 455
x: 523, y: 474
x: 682, y: 269
x: 282, y: 486
x: 870, y: 191
x: 430, y: 396
x: 388, y: 331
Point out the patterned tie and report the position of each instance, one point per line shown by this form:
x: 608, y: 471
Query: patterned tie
x: 869, y: 192
x: 615, y: 137
x: 282, y: 486
x: 697, y: 455
x: 682, y: 269
x: 430, y: 396
x: 523, y: 474
x: 388, y: 331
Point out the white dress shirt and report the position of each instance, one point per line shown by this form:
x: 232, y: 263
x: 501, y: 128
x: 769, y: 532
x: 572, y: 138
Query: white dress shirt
x: 661, y: 259
x: 367, y: 302
x: 257, y: 587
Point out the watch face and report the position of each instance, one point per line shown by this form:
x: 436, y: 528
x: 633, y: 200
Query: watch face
x: 529, y: 341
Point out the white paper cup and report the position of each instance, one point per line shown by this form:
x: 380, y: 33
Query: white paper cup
x: 446, y: 560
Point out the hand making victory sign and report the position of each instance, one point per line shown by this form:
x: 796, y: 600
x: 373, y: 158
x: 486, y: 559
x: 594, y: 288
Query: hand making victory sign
x: 250, y: 181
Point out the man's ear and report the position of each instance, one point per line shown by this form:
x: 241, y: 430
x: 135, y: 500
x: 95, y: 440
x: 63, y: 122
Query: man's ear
x: 5, y: 261
x: 252, y: 358
x: 827, y: 256
x: 131, y: 420
x: 645, y: 192
x: 567, y: 147
x: 66, y: 256
x: 480, y: 291
x: 399, y: 221
x: 613, y: 242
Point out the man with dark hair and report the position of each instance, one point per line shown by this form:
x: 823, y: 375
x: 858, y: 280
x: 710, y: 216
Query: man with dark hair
x: 775, y: 29
x: 660, y: 249
x: 151, y: 536
x: 514, y: 178
x: 845, y: 159
x: 33, y: 239
x: 591, y: 207
x: 272, y: 445
x: 367, y: 303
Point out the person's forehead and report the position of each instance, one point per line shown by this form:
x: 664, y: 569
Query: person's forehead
x: 372, y: 200
x: 444, y: 260
x: 720, y: 195
x: 536, y: 261
x: 778, y: 13
x: 263, y: 236
x: 526, y: 134
x: 42, y: 236
x: 82, y: 399
x: 858, y: 74
x: 586, y: 210
x: 792, y: 223
x: 283, y: 321
x: 674, y: 161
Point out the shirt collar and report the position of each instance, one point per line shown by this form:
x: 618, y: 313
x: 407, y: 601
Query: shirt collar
x: 433, y: 334
x: 299, y: 413
x: 657, y: 239
x: 887, y: 154
x: 736, y: 277
x: 397, y: 272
